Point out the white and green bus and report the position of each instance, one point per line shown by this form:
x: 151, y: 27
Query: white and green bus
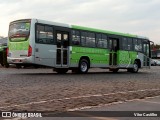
x: 66, y: 47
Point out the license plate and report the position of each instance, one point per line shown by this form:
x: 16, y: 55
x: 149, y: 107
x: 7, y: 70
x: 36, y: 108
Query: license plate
x: 17, y: 60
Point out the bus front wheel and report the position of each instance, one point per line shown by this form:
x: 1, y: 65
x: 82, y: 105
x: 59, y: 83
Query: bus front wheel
x: 135, y: 67
x: 83, y: 66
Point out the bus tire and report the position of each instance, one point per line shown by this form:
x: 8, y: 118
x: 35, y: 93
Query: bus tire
x: 83, y: 66
x: 115, y: 70
x: 135, y: 67
x: 7, y: 65
x: 129, y: 70
x: 61, y: 70
x: 2, y: 64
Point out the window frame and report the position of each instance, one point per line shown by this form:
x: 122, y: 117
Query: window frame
x: 84, y: 34
x: 76, y: 31
x: 131, y: 44
x: 124, y: 45
x: 102, y: 40
x: 137, y: 43
x: 89, y: 40
x: 46, y: 32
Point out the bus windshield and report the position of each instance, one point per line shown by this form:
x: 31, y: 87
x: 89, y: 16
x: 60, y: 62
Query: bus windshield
x: 19, y: 30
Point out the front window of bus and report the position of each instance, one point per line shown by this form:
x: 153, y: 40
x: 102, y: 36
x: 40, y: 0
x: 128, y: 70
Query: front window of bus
x: 19, y: 31
x: 146, y: 49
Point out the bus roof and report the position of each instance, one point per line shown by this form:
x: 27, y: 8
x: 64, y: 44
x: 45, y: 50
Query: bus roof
x: 106, y: 31
x: 53, y: 23
x: 83, y: 28
x: 92, y: 29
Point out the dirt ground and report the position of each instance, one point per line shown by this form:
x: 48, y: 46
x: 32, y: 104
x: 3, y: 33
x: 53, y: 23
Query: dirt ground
x: 44, y: 90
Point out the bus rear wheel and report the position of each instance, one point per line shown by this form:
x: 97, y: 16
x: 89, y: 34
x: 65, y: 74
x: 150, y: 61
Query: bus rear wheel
x: 114, y: 70
x: 6, y: 65
x: 61, y: 70
x: 2, y: 64
x: 83, y: 66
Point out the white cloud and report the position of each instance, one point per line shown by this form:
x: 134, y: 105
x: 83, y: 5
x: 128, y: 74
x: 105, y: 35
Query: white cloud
x: 129, y: 16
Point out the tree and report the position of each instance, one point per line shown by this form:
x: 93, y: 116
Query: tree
x: 155, y: 47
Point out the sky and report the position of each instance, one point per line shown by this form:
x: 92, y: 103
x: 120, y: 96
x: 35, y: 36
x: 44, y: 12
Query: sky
x: 140, y: 17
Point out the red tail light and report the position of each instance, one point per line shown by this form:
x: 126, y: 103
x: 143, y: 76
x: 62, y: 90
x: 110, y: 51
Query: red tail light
x: 29, y: 51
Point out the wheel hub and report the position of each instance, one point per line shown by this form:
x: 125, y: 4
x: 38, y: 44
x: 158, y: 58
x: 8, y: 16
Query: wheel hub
x: 83, y: 66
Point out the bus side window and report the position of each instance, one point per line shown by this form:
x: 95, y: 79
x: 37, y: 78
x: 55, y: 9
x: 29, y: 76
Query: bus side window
x: 101, y: 41
x: 130, y: 44
x: 49, y: 34
x: 75, y: 37
x: 124, y: 44
x: 39, y: 33
x: 98, y: 40
x: 104, y: 41
x: 135, y: 44
x: 140, y: 45
x: 44, y: 34
x: 90, y: 39
x: 83, y: 38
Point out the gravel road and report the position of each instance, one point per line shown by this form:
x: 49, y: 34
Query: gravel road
x: 45, y: 90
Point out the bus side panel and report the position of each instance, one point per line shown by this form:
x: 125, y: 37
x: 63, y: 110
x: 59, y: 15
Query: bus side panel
x: 133, y: 56
x: 98, y: 57
x: 126, y: 58
x: 45, y: 54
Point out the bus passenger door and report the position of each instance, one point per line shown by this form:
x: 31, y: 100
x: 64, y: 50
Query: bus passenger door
x: 62, y: 40
x: 113, y: 46
x: 147, y: 54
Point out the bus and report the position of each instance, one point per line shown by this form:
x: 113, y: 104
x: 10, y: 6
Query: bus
x: 66, y: 47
